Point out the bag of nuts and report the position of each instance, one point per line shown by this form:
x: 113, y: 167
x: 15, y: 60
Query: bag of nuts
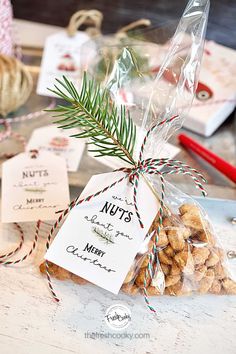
x: 188, y: 259
x: 180, y: 255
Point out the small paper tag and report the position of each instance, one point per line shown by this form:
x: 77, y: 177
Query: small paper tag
x: 61, y: 56
x: 33, y: 188
x: 100, y: 238
x: 58, y: 142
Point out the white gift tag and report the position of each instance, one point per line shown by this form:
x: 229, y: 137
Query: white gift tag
x: 61, y: 56
x: 100, y: 238
x: 58, y: 142
x: 34, y: 188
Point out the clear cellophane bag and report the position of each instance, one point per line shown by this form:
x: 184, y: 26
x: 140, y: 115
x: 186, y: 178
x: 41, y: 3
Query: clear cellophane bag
x: 155, y: 75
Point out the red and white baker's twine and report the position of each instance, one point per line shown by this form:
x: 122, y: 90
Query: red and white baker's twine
x: 11, y: 253
x: 28, y: 116
x: 8, y: 133
x: 143, y: 167
x: 27, y: 255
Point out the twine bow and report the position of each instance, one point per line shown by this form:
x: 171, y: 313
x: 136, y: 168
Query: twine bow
x: 141, y: 169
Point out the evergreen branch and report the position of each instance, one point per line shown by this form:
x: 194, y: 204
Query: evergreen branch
x: 103, y: 236
x: 110, y: 129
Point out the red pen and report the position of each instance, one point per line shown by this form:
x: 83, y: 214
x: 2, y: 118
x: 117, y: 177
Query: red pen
x: 220, y: 164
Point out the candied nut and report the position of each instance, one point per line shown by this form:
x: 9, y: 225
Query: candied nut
x: 162, y: 239
x: 176, y: 239
x: 55, y: 271
x: 52, y: 268
x: 62, y: 274
x: 130, y: 289
x: 212, y: 260
x: 179, y: 289
x: 167, y: 291
x: 188, y: 208
x: 145, y: 261
x: 169, y: 251
x: 184, y: 261
x: 200, y: 271
x: 42, y: 267
x: 229, y: 286
x: 154, y: 225
x: 130, y: 275
x: 194, y: 221
x: 165, y: 268
x: 189, y: 267
x: 200, y: 255
x: 171, y: 280
x: 206, y: 282
x: 175, y: 289
x: 216, y: 287
x: 181, y: 259
x: 186, y: 232
x: 163, y: 258
x: 153, y: 291
x: 143, y: 274
x: 206, y: 237
x: 174, y: 269
x: 78, y: 280
x: 166, y: 222
x: 220, y: 272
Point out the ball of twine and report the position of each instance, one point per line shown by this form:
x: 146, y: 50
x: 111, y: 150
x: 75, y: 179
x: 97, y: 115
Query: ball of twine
x: 15, y: 84
x: 6, y: 28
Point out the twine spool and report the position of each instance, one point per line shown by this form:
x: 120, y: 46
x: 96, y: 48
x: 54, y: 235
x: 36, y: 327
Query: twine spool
x: 6, y: 26
x: 142, y: 22
x: 91, y: 18
x: 15, y: 84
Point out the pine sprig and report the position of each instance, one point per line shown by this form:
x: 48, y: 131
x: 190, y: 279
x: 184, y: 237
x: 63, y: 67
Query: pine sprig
x: 110, y: 129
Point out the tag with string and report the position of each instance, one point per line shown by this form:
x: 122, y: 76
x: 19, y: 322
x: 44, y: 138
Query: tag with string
x: 101, y: 236
x: 34, y: 186
x: 62, y: 54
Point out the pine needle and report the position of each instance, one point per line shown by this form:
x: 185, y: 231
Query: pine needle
x: 109, y: 128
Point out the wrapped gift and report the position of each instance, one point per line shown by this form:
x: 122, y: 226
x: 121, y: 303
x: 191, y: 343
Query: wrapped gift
x: 132, y: 230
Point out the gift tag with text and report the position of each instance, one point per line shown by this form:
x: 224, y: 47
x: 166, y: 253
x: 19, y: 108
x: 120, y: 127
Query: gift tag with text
x: 61, y: 56
x: 58, y: 142
x: 34, y: 186
x: 100, y: 237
